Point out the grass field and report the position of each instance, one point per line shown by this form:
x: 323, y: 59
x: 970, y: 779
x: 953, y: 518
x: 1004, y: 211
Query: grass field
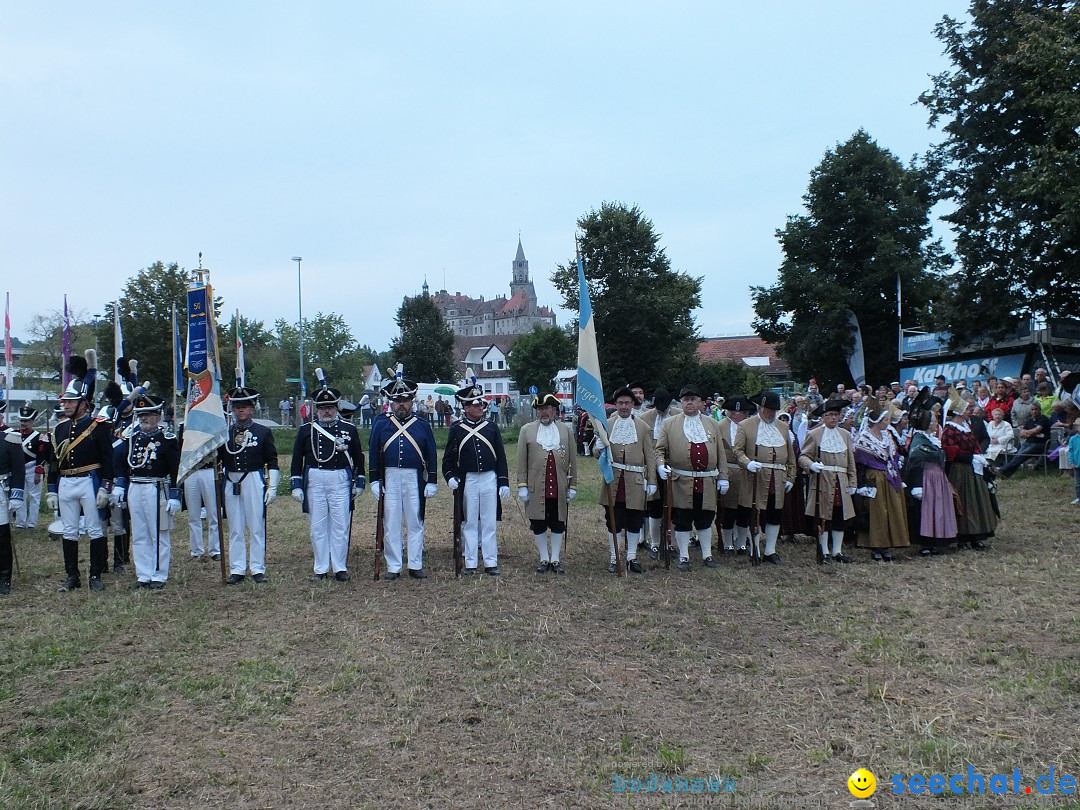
x: 531, y: 691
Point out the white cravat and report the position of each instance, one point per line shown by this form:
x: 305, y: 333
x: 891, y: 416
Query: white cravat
x: 832, y: 441
x: 693, y: 430
x: 623, y: 432
x: 768, y: 435
x: 547, y: 436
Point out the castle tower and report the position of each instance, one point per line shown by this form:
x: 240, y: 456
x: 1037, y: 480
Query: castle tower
x: 521, y: 282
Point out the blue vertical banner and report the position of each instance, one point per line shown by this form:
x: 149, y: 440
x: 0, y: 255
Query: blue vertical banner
x: 590, y: 390
x: 205, y: 428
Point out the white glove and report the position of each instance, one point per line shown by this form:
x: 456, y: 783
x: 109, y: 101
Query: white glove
x: 916, y: 493
x: 53, y: 501
x: 523, y: 493
x: 376, y: 490
x: 271, y: 487
x: 663, y: 470
x: 571, y: 494
x: 867, y: 492
x: 173, y: 506
x: 453, y: 483
x: 598, y: 448
x: 753, y: 466
x: 722, y: 486
x: 816, y: 467
x: 504, y: 493
x: 978, y: 463
x: 851, y: 490
x: 650, y: 490
x: 430, y: 490
x: 118, y: 495
x: 788, y: 485
x: 298, y: 495
x: 102, y: 499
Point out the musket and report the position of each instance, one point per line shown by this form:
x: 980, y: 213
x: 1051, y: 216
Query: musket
x: 669, y: 526
x: 821, y: 513
x: 619, y: 570
x: 459, y: 517
x: 755, y: 525
x: 219, y: 496
x: 379, y: 530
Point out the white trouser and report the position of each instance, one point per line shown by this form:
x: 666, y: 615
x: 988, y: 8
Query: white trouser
x: 78, y: 497
x: 402, y: 492
x: 27, y: 515
x: 198, y: 493
x: 150, y: 539
x: 5, y: 515
x: 327, y: 499
x: 246, y: 513
x: 480, y: 506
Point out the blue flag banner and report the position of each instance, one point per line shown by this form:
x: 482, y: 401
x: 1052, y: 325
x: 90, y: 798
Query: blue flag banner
x: 589, y: 393
x: 205, y: 428
x: 178, y: 357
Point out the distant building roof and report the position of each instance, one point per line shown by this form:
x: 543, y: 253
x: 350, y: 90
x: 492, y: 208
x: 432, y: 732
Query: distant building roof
x: 750, y: 350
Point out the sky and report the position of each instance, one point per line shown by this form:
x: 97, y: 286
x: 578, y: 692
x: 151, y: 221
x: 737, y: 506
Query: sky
x: 386, y: 143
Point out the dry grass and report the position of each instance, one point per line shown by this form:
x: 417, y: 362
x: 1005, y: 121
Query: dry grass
x: 527, y: 691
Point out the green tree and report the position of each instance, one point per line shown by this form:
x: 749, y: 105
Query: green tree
x: 43, y: 360
x: 867, y: 225
x: 146, y: 322
x: 425, y: 344
x: 329, y: 345
x: 536, y: 356
x: 723, y: 378
x: 1010, y: 163
x: 641, y: 307
x: 258, y: 341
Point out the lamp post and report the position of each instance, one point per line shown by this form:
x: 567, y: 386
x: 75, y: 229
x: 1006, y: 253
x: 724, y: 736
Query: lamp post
x: 300, y: 305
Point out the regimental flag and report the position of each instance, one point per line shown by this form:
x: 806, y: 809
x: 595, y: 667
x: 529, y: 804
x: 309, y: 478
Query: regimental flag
x: 856, y: 361
x: 590, y: 390
x: 205, y: 428
x: 9, y: 357
x: 118, y: 343
x: 64, y: 375
x: 241, y: 375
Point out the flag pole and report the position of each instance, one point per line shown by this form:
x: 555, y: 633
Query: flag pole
x: 172, y: 374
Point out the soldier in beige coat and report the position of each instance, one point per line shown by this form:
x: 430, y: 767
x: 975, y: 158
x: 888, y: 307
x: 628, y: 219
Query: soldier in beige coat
x: 691, y: 453
x: 547, y: 474
x: 764, y: 449
x: 662, y: 409
x: 827, y: 454
x: 633, y: 460
x: 733, y: 519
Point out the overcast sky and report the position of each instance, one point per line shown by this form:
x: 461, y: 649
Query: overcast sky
x: 386, y: 142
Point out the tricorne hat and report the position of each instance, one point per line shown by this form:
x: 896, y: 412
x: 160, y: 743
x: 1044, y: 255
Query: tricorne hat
x: 624, y: 392
x: 767, y: 399
x: 542, y: 400
x: 738, y: 404
x: 691, y: 390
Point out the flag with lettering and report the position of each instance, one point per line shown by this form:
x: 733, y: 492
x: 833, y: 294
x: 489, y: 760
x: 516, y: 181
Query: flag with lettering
x: 589, y: 393
x: 205, y: 428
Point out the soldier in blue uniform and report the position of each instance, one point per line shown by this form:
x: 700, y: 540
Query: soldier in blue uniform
x: 35, y: 447
x: 81, y: 473
x: 249, y: 451
x: 12, y: 497
x: 404, y: 470
x: 327, y: 471
x: 146, y: 477
x: 475, y: 459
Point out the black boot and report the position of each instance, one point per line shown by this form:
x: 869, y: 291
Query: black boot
x: 71, y: 566
x: 99, y: 554
x: 5, y: 558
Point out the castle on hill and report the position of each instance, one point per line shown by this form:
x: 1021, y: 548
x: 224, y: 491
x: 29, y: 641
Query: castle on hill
x: 478, y: 317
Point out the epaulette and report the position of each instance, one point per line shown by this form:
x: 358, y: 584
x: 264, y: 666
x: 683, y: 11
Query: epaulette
x: 14, y: 437
x: 169, y: 434
x: 102, y: 419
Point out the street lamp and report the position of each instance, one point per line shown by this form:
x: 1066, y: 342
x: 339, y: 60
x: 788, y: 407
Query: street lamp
x: 300, y: 304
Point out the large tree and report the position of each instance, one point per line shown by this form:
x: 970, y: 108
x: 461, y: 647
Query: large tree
x: 538, y: 355
x: 866, y: 226
x: 642, y: 308
x: 425, y: 344
x: 328, y: 344
x: 1010, y: 162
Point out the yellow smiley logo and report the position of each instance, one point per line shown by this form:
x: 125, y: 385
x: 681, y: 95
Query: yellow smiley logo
x: 862, y: 784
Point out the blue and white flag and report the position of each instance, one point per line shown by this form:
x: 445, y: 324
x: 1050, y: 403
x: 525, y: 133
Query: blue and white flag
x: 205, y: 428
x: 589, y: 393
